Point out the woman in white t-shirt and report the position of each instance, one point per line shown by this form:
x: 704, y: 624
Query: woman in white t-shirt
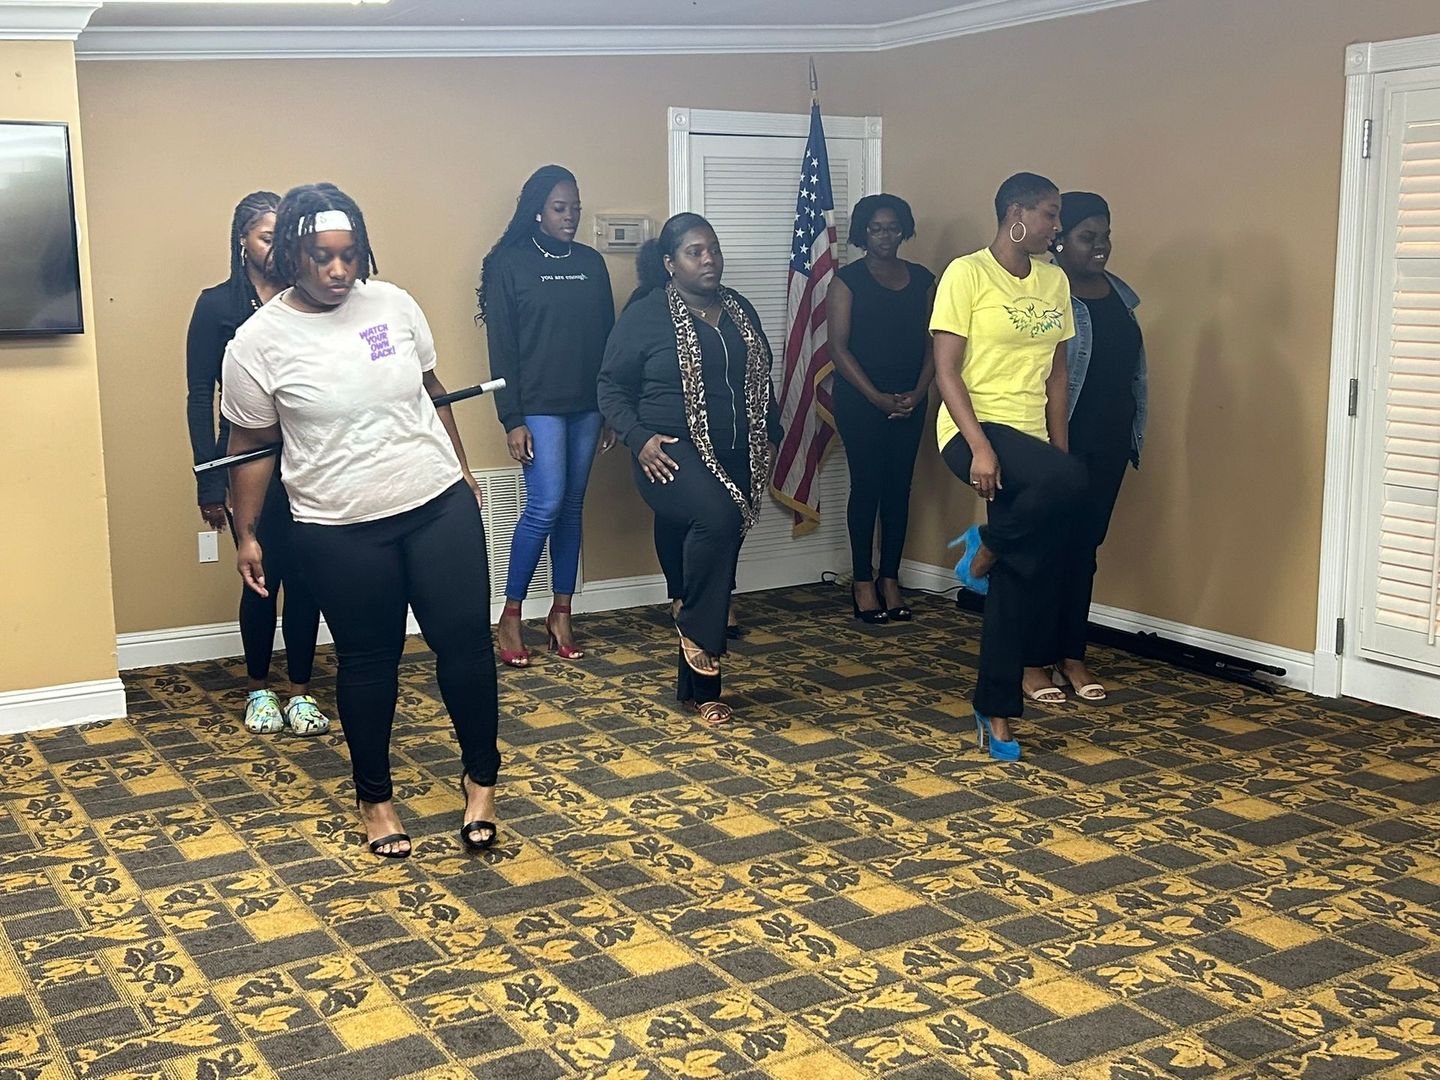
x: 387, y: 513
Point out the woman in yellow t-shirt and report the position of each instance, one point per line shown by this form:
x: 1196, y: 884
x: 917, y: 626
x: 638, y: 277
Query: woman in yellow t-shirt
x: 1002, y: 317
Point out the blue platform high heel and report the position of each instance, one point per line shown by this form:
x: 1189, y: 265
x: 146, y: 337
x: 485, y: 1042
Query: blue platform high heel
x: 1000, y: 750
x: 971, y: 539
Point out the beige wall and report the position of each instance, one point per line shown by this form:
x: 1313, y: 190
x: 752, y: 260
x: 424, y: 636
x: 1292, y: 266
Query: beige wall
x: 1213, y: 128
x: 435, y: 152
x: 56, y: 619
x: 1214, y: 131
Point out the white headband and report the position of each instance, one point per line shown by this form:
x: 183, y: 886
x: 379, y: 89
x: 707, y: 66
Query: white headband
x: 331, y: 221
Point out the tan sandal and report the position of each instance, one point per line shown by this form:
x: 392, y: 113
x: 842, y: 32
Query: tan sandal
x: 712, y: 712
x: 695, y: 657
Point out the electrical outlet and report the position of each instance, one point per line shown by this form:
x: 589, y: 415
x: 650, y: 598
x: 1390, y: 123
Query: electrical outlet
x: 209, y: 546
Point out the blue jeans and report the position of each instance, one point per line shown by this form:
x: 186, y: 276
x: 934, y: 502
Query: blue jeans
x: 554, y: 498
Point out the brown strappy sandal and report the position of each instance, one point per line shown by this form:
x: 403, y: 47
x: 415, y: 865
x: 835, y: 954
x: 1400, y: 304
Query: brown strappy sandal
x: 712, y: 712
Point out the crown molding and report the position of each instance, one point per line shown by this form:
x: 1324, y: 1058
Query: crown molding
x: 44, y: 20
x: 439, y: 42
x: 982, y: 17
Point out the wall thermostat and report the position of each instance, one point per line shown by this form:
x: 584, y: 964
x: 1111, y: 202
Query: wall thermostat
x: 621, y: 232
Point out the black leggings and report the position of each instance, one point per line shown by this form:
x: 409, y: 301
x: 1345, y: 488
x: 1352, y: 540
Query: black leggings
x: 1026, y: 520
x: 881, y: 453
x: 432, y: 558
x: 301, y: 618
x: 698, y: 530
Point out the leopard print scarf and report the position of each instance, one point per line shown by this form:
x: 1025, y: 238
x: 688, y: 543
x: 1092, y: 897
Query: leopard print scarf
x: 757, y: 397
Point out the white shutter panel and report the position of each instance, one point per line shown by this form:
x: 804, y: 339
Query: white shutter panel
x: 1402, y: 617
x: 746, y: 186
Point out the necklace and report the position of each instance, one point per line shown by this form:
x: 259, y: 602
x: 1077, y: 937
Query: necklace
x: 701, y: 312
x: 551, y: 254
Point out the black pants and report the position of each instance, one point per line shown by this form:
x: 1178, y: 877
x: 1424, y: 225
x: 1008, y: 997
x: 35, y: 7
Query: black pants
x: 432, y: 558
x: 1064, y: 636
x: 881, y: 453
x: 301, y: 618
x: 698, y: 533
x: 670, y: 550
x: 1040, y: 488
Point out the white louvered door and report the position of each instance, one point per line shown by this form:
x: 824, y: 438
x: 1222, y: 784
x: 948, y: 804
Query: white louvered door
x: 1400, y: 604
x: 746, y: 186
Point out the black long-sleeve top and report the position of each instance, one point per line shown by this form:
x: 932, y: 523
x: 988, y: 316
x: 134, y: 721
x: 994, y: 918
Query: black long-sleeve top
x: 218, y: 314
x: 547, y: 315
x: 640, y: 392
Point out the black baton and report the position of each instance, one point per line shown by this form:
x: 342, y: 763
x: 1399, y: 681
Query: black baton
x: 274, y: 448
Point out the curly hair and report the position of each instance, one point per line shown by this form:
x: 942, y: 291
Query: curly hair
x: 295, y: 220
x: 866, y: 209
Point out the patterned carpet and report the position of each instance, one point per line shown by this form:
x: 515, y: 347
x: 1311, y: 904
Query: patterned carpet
x: 1193, y: 880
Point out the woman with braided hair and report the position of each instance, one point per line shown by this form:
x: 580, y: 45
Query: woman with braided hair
x: 219, y: 312
x: 387, y: 513
x: 686, y: 385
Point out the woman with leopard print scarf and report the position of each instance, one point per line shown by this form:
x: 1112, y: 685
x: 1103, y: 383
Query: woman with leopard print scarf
x: 686, y: 385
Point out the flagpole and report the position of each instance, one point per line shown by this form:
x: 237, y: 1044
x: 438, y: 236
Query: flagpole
x: 814, y: 84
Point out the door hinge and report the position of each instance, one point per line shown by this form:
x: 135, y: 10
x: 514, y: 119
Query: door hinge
x: 1365, y: 133
x: 1339, y: 637
x: 1354, y: 404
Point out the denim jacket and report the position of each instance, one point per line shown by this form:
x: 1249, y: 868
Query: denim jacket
x: 1078, y: 362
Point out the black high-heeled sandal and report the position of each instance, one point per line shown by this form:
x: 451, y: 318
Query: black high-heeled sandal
x: 393, y: 838
x: 870, y: 616
x: 900, y: 612
x: 478, y: 824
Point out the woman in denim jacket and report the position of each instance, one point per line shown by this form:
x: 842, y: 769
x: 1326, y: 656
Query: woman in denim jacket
x: 1108, y: 393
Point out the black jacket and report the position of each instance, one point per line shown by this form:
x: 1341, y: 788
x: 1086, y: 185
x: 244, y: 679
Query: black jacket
x: 639, y: 389
x: 546, y: 320
x: 218, y: 314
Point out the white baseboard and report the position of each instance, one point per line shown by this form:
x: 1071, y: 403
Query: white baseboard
x: 1299, y: 666
x: 185, y: 644
x: 61, y: 706
x: 216, y: 641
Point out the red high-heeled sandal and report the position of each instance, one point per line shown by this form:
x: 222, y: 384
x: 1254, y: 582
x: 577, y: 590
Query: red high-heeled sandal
x: 565, y: 652
x: 516, y: 658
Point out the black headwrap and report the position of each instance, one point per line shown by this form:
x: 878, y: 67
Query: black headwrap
x: 1076, y: 206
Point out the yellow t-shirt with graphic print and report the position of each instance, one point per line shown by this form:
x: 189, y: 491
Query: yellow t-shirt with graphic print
x: 1011, y: 327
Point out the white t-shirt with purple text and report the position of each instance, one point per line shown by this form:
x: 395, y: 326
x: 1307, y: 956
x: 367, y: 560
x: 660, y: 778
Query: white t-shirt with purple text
x: 361, y: 439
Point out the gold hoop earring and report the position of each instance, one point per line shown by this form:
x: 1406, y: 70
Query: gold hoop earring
x: 1024, y: 232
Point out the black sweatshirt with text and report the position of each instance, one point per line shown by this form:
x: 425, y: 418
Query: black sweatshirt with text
x: 547, y: 315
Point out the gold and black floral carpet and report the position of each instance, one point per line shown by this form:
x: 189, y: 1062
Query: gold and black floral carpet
x: 1191, y: 880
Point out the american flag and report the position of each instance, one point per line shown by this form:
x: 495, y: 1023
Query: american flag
x: 805, y: 405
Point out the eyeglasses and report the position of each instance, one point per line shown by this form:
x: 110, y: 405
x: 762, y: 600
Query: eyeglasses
x: 883, y: 230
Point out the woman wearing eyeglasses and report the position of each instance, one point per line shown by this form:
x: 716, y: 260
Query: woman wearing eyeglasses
x: 879, y: 315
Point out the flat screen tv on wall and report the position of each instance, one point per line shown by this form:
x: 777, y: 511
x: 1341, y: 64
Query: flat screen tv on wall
x: 39, y: 246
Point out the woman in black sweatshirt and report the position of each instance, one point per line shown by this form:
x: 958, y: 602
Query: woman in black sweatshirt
x: 218, y: 314
x: 686, y: 386
x: 547, y: 308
